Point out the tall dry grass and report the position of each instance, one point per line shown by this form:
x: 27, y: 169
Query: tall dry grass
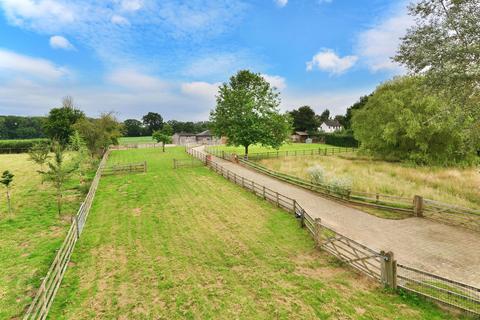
x: 459, y: 186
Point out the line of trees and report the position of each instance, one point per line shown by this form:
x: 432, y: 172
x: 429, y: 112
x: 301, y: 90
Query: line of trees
x: 154, y: 122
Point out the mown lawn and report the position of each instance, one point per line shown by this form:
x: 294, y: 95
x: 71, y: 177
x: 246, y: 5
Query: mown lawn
x: 459, y: 186
x: 284, y: 147
x: 29, y: 235
x: 187, y: 244
x: 129, y: 140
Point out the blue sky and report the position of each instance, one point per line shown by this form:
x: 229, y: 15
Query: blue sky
x: 135, y: 56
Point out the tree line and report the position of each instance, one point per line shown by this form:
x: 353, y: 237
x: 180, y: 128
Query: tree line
x: 153, y: 121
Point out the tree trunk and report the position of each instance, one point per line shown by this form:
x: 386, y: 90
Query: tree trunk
x: 59, y: 201
x: 8, y: 201
x: 246, y: 149
x: 163, y: 146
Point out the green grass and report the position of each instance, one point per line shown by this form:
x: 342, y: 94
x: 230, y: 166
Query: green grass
x: 284, y: 147
x: 133, y: 140
x: 29, y: 235
x: 187, y: 244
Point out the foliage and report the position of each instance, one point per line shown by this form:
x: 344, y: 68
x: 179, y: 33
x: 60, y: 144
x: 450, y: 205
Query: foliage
x: 356, y: 106
x: 39, y: 154
x: 153, y: 122
x: 317, y: 174
x: 19, y: 146
x: 167, y: 130
x: 98, y: 134
x: 59, y: 172
x: 340, y: 139
x: 324, y: 116
x: 76, y: 142
x: 6, y: 180
x: 161, y: 136
x: 60, y: 121
x: 247, y: 112
x: 341, y: 185
x: 404, y: 120
x: 304, y: 119
x: 17, y: 127
x: 189, y: 127
x: 133, y: 128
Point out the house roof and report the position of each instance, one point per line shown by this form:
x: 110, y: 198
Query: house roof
x: 332, y: 123
x: 301, y: 133
x: 205, y: 133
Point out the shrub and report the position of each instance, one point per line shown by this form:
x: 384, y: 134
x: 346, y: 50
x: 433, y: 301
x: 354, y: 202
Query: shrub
x: 317, y: 174
x: 20, y: 146
x: 341, y: 186
x: 338, y: 139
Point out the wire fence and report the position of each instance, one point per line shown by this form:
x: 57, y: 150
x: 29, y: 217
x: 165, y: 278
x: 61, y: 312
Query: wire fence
x: 125, y: 168
x: 379, y: 265
x: 44, y: 296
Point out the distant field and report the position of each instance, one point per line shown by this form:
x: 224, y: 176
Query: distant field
x: 187, y: 244
x: 285, y: 147
x: 128, y: 140
x: 31, y: 234
x: 452, y: 185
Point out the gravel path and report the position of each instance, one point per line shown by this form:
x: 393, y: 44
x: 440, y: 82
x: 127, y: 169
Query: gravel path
x: 448, y: 251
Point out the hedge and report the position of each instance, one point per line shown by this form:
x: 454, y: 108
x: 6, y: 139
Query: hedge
x: 339, y: 140
x: 19, y: 146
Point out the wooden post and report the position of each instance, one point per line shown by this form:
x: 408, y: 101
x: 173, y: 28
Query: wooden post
x: 325, y: 151
x: 389, y: 270
x: 317, y: 232
x: 145, y: 166
x: 264, y: 194
x: 278, y: 200
x: 376, y: 197
x: 418, y: 206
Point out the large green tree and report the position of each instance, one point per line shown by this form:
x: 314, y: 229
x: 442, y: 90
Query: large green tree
x: 133, y: 128
x: 304, y: 119
x: 60, y: 121
x: 153, y: 122
x: 356, y: 106
x: 400, y: 122
x: 247, y: 112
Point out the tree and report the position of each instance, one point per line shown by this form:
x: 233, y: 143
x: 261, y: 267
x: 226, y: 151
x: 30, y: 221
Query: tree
x: 247, y: 112
x: 163, y: 137
x: 356, y: 106
x: 98, y: 134
x: 444, y: 44
x: 39, y: 154
x: 398, y: 122
x: 60, y: 121
x: 341, y: 119
x: 58, y: 173
x: 133, y: 128
x: 324, y: 116
x: 6, y: 180
x: 304, y: 119
x: 167, y: 129
x: 153, y: 121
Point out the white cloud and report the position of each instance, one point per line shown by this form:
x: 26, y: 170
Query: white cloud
x: 328, y: 60
x: 276, y: 81
x: 132, y: 79
x: 281, y: 3
x: 132, y: 5
x: 59, y: 42
x: 379, y: 43
x: 17, y: 64
x: 42, y: 14
x: 122, y: 21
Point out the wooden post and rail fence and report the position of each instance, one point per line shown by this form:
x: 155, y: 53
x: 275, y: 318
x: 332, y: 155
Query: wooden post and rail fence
x: 377, y: 264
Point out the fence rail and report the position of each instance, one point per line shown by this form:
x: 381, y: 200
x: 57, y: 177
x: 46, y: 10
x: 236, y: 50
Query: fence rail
x: 43, y: 299
x: 136, y: 146
x: 123, y: 168
x: 285, y: 153
x: 378, y: 265
x: 187, y: 163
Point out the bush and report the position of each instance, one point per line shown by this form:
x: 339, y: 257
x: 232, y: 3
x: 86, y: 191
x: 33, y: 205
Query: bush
x: 20, y: 146
x: 341, y: 186
x: 317, y: 174
x: 338, y: 139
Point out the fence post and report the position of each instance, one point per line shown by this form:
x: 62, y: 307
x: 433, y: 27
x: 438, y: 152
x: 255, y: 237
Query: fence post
x: 264, y: 195
x: 317, y: 232
x: 145, y: 166
x: 278, y: 199
x: 389, y: 270
x: 418, y: 206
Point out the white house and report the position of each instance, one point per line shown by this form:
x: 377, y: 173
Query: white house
x: 330, y: 126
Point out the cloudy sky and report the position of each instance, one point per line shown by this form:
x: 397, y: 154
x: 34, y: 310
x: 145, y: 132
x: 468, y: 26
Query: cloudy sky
x: 135, y: 56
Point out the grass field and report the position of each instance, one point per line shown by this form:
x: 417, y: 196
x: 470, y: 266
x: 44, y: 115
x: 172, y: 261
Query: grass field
x: 31, y: 234
x: 285, y: 147
x: 186, y: 244
x: 129, y: 140
x: 451, y: 185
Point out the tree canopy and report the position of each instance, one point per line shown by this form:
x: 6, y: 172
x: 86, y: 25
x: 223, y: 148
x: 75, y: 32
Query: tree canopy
x: 247, y: 112
x: 60, y: 121
x: 304, y: 119
x: 133, y: 128
x: 153, y: 122
x: 401, y: 121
